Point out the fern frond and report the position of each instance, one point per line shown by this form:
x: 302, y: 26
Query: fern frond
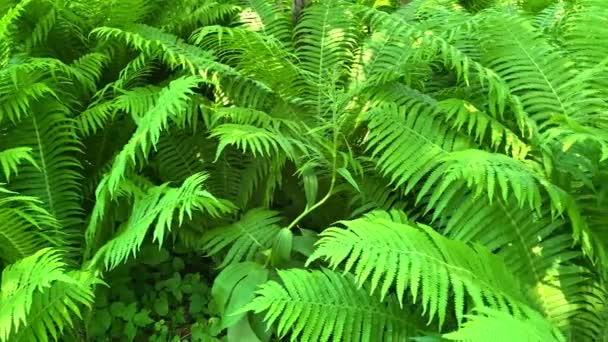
x: 55, y: 177
x: 158, y: 207
x: 23, y: 226
x: 88, y: 69
x: 20, y: 87
x: 6, y: 22
x: 432, y: 47
x: 323, y: 305
x: 324, y: 38
x: 268, y: 18
x: 257, y: 132
x: 171, y: 104
x: 38, y: 296
x: 180, y: 155
x: 58, y: 307
x: 10, y: 160
x: 173, y: 51
x: 483, y: 127
x: 491, y: 173
x: 186, y: 16
x: 572, y: 300
x: 537, y: 249
x: 256, y: 56
x: 373, y: 195
x: 403, y: 255
x: 585, y: 32
x: 258, y: 141
x: 534, y: 70
x: 46, y: 17
x: 252, y: 233
x: 95, y: 117
x: 492, y: 325
x: 407, y: 158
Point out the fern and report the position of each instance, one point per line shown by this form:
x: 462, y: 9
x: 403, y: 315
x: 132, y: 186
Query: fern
x: 170, y: 105
x: 242, y: 129
x: 408, y: 158
x: 319, y: 305
x: 253, y: 233
x: 158, y: 205
x: 527, y: 62
x: 10, y: 160
x: 411, y: 256
x: 6, y: 21
x: 54, y: 177
x: 26, y: 226
x: 499, y: 326
x: 39, y: 290
x: 172, y: 50
x: 491, y: 173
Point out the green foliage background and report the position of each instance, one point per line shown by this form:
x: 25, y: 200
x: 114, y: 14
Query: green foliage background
x: 262, y: 170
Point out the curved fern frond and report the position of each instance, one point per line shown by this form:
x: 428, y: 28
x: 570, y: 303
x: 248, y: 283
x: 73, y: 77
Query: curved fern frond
x: 487, y: 172
x: 407, y: 158
x: 483, y: 127
x: 258, y: 141
x: 11, y: 158
x: 170, y: 49
x: 416, y: 258
x: 6, y: 21
x: 38, y: 296
x: 431, y: 46
x: 267, y: 17
x: 534, y: 70
x: 259, y: 57
x: 323, y: 305
x: 172, y: 103
x: 88, y: 69
x: 258, y: 133
x: 23, y: 226
x: 187, y: 16
x: 157, y: 206
x: 21, y: 85
x: 58, y: 304
x: 55, y: 176
x: 492, y: 325
x: 586, y: 32
x: 324, y: 38
x: 252, y: 233
x: 181, y: 155
x: 95, y: 117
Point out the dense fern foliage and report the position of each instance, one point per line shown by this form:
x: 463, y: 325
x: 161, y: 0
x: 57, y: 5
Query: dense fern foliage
x: 345, y: 170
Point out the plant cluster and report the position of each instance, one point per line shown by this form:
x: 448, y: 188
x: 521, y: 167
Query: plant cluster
x: 265, y: 170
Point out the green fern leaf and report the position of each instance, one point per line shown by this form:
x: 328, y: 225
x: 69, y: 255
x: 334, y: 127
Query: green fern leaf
x: 492, y: 172
x: 319, y: 305
x: 55, y: 177
x: 6, y: 22
x: 254, y: 232
x: 171, y: 105
x: 171, y: 49
x: 403, y: 255
x: 488, y: 324
x: 483, y: 127
x: 269, y: 18
x: 158, y: 206
x: 534, y: 70
x: 10, y: 160
x: 23, y: 224
x: 407, y: 158
x: 38, y: 295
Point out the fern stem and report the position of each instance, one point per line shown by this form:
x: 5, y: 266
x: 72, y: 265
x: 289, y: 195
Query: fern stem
x: 332, y: 184
x: 316, y: 205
